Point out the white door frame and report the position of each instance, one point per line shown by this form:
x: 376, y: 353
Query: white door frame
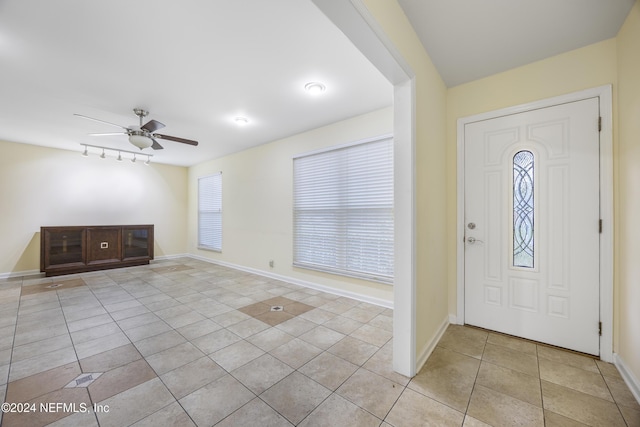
x: 604, y: 93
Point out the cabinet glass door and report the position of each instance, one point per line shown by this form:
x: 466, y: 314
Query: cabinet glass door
x: 65, y: 247
x: 135, y: 242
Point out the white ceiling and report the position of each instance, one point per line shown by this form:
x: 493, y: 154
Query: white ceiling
x: 197, y: 64
x: 194, y: 64
x: 471, y: 39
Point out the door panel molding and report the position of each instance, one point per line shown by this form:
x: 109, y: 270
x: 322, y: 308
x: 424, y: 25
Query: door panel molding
x: 604, y: 95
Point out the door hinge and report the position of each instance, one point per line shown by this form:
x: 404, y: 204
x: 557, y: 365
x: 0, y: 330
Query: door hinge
x: 600, y: 226
x: 599, y: 124
x: 600, y: 328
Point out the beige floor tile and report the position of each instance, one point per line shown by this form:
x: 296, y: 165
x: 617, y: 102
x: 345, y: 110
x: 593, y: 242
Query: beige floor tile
x: 343, y: 325
x: 65, y: 401
x: 551, y: 419
x: 135, y: 404
x: 110, y: 359
x: 574, y: 378
x: 248, y: 327
x: 99, y: 345
x: 91, y: 322
x: 146, y: 331
x: 361, y: 314
x: 188, y: 378
x: 216, y: 400
x: 579, y: 406
x: 174, y: 357
x: 129, y: 312
x: 296, y: 326
x: 41, y: 363
x: 96, y: 332
x: 630, y: 415
x: 236, y: 355
x: 261, y: 373
x: 215, y: 341
x: 382, y: 364
x: 84, y: 419
x: 319, y: 316
x: 321, y: 337
x: 338, y: 411
x: 328, y: 370
x: 414, y: 409
x: 120, y: 379
x: 296, y: 352
x: 198, y: 329
x: 256, y: 413
x: 295, y: 396
x: 358, y: 387
x: 27, y: 351
x: 372, y: 335
x: 31, y: 387
x: 567, y: 358
x: 512, y: 359
x: 621, y: 393
x: 510, y: 382
x: 170, y: 416
x: 156, y: 343
x: 447, y: 377
x: 139, y: 320
x: 353, y: 350
x: 512, y: 343
x: 468, y: 341
x: 608, y: 369
x: 269, y: 339
x: 498, y: 409
x: 472, y: 422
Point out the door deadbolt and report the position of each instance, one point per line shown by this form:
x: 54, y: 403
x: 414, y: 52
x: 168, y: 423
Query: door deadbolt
x: 471, y: 225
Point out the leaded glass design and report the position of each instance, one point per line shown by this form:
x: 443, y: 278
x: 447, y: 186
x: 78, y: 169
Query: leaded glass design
x: 523, y: 209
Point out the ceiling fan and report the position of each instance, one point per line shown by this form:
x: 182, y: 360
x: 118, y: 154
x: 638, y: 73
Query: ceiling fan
x: 142, y: 136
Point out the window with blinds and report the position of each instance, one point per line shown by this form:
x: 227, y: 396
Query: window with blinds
x: 210, y: 212
x: 343, y: 210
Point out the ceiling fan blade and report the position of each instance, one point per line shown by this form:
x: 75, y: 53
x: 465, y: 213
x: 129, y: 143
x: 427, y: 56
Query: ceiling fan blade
x: 108, y: 134
x: 101, y: 121
x: 156, y: 146
x: 152, y: 126
x: 175, y: 138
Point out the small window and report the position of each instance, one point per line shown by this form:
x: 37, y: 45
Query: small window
x: 343, y: 210
x: 523, y: 209
x: 210, y: 212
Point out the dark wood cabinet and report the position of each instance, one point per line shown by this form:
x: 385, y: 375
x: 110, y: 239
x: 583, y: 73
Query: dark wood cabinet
x: 75, y: 249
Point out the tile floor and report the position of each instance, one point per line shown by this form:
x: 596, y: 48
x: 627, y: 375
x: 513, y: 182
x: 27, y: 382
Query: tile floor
x: 183, y: 343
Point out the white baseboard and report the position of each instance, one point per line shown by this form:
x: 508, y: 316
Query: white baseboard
x: 311, y: 285
x: 431, y: 345
x: 627, y: 375
x: 26, y: 273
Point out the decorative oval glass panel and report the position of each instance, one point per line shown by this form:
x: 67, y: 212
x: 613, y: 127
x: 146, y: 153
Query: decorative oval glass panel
x: 523, y: 209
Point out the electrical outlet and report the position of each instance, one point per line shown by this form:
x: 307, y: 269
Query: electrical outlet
x: 271, y: 263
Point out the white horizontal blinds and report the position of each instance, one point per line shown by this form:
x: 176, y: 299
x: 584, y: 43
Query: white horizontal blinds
x: 343, y: 210
x: 210, y: 212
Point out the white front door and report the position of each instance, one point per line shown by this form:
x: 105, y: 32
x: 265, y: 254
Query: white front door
x: 532, y: 210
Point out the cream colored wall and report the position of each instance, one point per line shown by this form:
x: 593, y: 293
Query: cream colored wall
x: 584, y: 68
x: 431, y: 197
x: 47, y: 187
x: 257, y: 195
x: 628, y: 201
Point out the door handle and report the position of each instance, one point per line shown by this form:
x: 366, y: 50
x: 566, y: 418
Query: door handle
x: 472, y: 240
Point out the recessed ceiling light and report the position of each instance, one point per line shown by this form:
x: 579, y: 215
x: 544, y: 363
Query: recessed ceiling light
x: 241, y: 121
x: 315, y: 88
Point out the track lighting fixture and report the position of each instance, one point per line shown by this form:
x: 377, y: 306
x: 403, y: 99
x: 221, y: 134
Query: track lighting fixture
x: 103, y: 155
